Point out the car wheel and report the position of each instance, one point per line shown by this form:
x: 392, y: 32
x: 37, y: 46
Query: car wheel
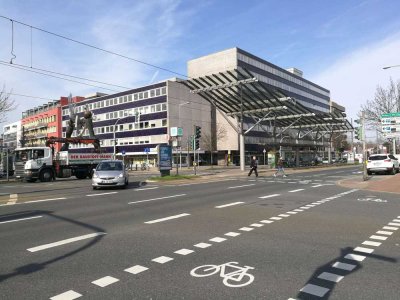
x: 393, y: 171
x: 369, y: 172
x: 94, y: 187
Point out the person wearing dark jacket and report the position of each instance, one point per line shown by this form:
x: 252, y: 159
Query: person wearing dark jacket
x: 253, y: 166
x: 280, y: 168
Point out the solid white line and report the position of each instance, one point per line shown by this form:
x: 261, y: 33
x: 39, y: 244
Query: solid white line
x: 107, y: 280
x: 167, y: 218
x: 364, y: 250
x: 371, y: 243
x: 330, y: 277
x: 295, y: 191
x: 136, y: 269
x: 269, y: 196
x: 44, y: 200
x: 343, y: 266
x: 63, y: 242
x: 68, y: 295
x: 22, y: 219
x: 145, y: 189
x: 314, y: 290
x: 101, y: 194
x: 229, y: 204
x: 180, y: 195
x: 239, y: 186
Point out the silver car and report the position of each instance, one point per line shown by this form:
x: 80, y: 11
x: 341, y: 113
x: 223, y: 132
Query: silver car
x: 110, y: 173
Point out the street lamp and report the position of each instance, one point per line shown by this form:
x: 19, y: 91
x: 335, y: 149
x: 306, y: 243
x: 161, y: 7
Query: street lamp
x: 114, y: 127
x: 179, y: 122
x: 388, y: 67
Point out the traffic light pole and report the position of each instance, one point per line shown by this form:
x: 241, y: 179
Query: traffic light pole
x: 365, y: 177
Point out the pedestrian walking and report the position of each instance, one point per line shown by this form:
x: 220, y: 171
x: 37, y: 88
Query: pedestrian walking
x: 253, y: 166
x: 280, y: 168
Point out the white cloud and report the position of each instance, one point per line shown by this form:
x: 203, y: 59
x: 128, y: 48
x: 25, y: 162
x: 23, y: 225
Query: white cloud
x: 353, y: 79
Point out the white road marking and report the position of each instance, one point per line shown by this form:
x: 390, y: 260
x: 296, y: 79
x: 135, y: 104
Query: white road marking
x: 291, y: 212
x: 384, y: 232
x: 257, y: 225
x: 343, y: 266
x: 275, y: 218
x: 295, y: 191
x: 184, y: 251
x: 269, y: 196
x: 396, y: 220
x: 317, y: 180
x: 394, y: 224
x: 310, y: 205
x: 107, y: 280
x: 266, y: 221
x: 378, y: 237
x: 233, y: 234
x: 305, y: 207
x: 101, y: 194
x: 44, y: 200
x: 229, y: 204
x: 355, y: 257
x: 292, y: 182
x: 68, y: 295
x: 162, y: 259
x: 67, y: 241
x: 314, y: 290
x: 298, y: 210
x: 167, y: 218
x: 316, y: 203
x: 283, y: 215
x: 363, y: 249
x: 246, y: 229
x: 371, y: 243
x: 136, y: 269
x: 148, y: 188
x: 318, y: 185
x: 239, y: 186
x: 154, y: 199
x: 217, y: 239
x: 22, y: 219
x: 330, y: 277
x: 13, y: 199
x: 390, y: 228
x: 202, y: 245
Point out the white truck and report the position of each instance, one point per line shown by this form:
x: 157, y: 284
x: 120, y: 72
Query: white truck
x: 32, y: 163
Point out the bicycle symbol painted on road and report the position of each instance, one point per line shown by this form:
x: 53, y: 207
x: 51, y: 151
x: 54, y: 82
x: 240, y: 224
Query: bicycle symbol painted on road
x: 372, y: 200
x: 237, y: 278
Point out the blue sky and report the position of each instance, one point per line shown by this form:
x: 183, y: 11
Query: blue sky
x: 341, y: 45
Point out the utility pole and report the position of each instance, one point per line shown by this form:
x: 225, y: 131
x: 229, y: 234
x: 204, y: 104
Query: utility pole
x: 365, y: 177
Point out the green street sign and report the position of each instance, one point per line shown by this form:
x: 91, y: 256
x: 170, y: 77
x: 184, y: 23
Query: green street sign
x: 391, y: 115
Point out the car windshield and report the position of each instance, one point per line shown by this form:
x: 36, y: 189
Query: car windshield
x: 110, y: 166
x: 378, y: 157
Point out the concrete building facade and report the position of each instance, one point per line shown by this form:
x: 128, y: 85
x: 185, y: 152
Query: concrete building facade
x: 12, y: 135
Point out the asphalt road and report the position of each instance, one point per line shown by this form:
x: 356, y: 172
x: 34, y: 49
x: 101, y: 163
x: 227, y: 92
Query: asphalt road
x: 300, y: 237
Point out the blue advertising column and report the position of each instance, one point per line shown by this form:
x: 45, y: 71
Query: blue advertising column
x: 164, y: 154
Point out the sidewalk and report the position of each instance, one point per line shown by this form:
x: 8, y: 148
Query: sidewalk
x: 379, y: 183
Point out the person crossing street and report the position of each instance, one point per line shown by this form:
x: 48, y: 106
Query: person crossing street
x: 253, y: 166
x: 280, y: 168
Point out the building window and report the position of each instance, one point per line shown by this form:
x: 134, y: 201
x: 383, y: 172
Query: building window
x: 164, y: 122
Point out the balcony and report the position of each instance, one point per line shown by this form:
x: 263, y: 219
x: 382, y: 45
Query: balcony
x: 37, y: 126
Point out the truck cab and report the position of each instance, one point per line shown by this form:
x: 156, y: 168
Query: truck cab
x: 32, y: 163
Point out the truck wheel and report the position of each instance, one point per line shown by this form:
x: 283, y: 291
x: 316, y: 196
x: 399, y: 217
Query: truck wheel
x: 46, y: 175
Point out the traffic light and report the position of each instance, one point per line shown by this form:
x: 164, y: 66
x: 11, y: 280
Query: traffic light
x: 358, y: 133
x: 197, y: 132
x: 196, y: 144
x: 116, y: 149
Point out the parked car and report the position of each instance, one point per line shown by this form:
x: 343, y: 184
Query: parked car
x: 325, y: 160
x: 110, y: 173
x: 382, y: 163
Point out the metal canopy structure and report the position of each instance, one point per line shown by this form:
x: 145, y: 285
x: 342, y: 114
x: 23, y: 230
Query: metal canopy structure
x: 238, y: 93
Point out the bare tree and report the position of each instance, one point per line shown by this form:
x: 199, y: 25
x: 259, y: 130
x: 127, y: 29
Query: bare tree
x: 6, y: 104
x: 386, y: 100
x: 209, y: 140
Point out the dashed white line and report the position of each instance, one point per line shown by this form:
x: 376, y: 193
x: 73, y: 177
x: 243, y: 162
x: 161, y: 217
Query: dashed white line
x: 295, y: 191
x: 233, y: 234
x: 44, y: 200
x: 298, y: 210
x: 394, y: 224
x: 378, y: 237
x: 202, y: 245
x: 266, y: 221
x: 257, y: 225
x: 330, y: 277
x: 22, y: 219
x: 145, y: 189
x: 167, y: 218
x: 154, y: 199
x: 363, y: 250
x: 384, y: 232
x: 229, y: 204
x: 344, y: 266
x: 162, y: 259
x: 107, y: 280
x: 63, y: 242
x: 184, y: 251
x: 239, y: 186
x: 292, y: 212
x: 101, y: 194
x: 269, y: 196
x: 355, y: 257
x: 371, y: 243
x: 68, y: 295
x: 246, y: 229
x: 389, y: 228
x: 217, y: 239
x: 276, y: 218
x: 136, y: 269
x: 318, y: 185
x: 314, y: 290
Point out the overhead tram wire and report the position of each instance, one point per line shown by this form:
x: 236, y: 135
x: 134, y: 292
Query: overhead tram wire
x: 62, y: 74
x: 28, y: 96
x: 94, y: 47
x: 58, y: 77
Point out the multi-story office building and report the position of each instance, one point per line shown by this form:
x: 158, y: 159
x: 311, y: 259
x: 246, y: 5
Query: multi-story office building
x: 12, y: 135
x: 142, y: 119
x: 290, y: 81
